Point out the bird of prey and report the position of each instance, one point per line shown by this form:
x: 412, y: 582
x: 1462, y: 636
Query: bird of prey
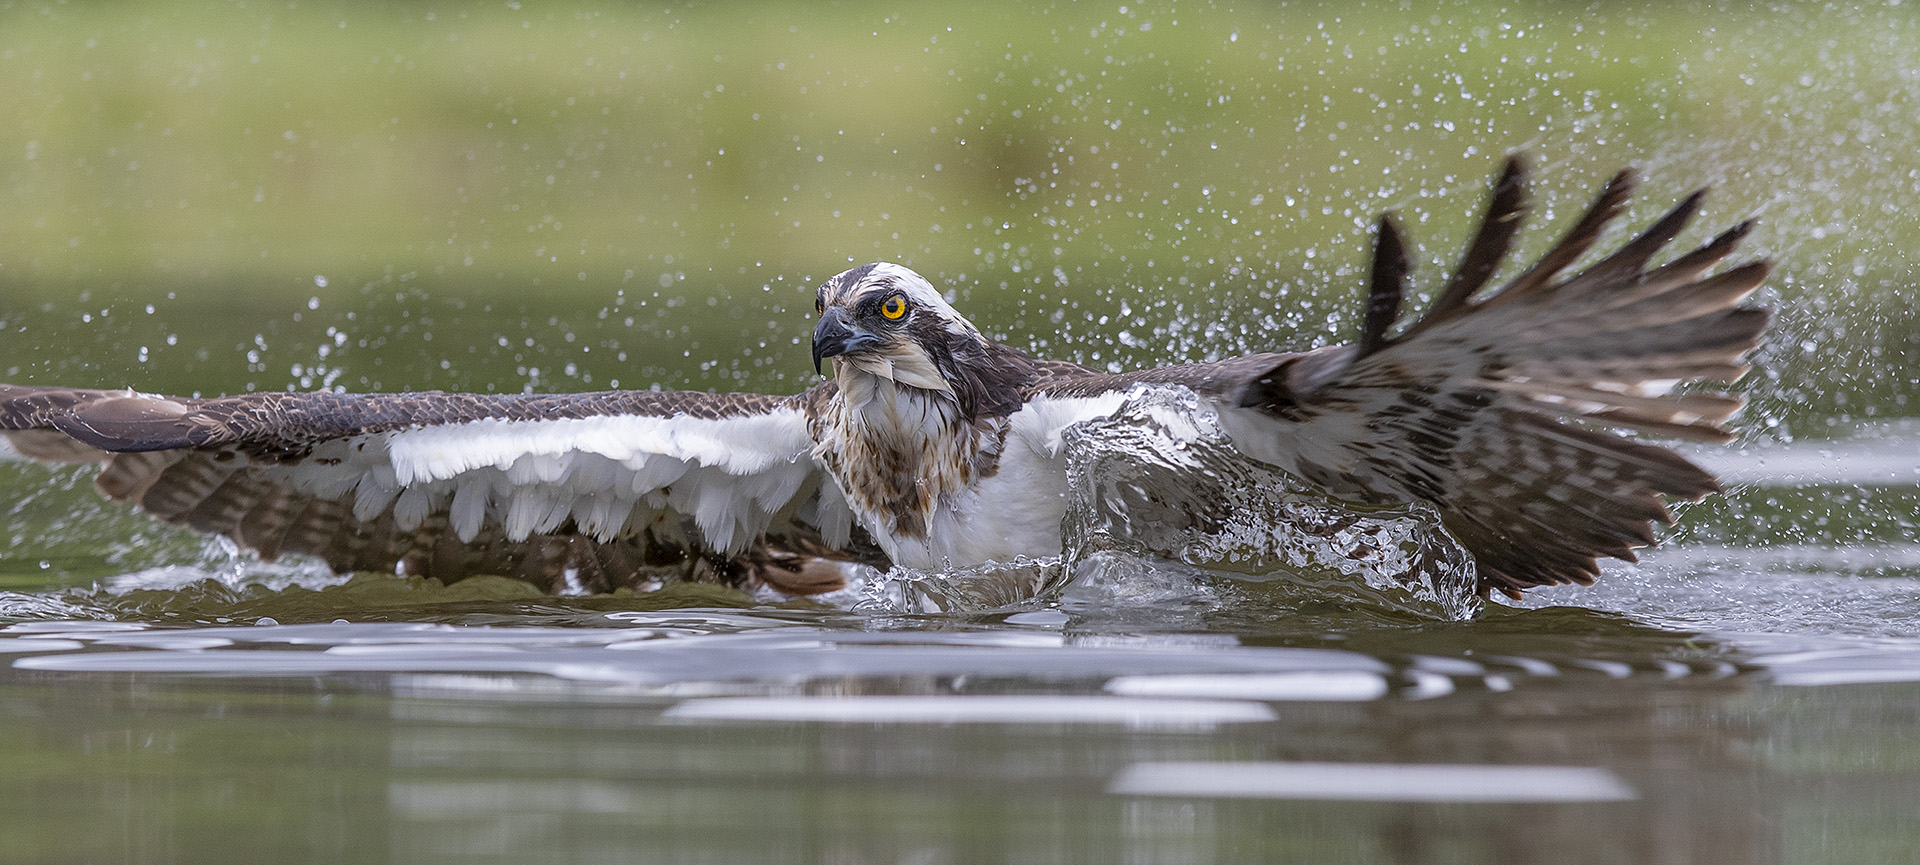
x: 933, y: 446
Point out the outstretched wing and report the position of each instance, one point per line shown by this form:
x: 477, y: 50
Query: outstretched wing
x: 1467, y: 408
x: 605, y: 488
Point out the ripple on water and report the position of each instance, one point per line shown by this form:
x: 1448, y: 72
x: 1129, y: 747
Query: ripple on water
x: 1803, y: 591
x: 661, y: 659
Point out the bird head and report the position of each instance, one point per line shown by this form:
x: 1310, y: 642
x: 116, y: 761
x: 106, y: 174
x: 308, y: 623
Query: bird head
x: 887, y: 321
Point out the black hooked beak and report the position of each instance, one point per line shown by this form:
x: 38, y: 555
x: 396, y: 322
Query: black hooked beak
x: 833, y: 337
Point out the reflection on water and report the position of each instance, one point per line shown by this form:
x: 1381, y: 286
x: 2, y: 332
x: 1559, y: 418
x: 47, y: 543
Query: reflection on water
x: 786, y: 736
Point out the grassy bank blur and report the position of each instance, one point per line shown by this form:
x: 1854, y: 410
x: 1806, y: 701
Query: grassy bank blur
x: 500, y: 141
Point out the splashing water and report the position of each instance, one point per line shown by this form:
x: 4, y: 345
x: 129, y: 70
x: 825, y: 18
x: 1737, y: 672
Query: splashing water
x: 988, y: 586
x: 1159, y: 505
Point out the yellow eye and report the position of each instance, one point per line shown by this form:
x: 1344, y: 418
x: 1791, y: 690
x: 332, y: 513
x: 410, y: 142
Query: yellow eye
x: 894, y: 308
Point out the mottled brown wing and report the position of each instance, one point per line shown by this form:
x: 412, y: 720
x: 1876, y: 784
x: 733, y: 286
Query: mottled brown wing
x: 586, y: 491
x: 1467, y: 408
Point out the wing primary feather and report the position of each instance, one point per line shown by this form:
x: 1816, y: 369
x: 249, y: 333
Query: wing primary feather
x: 127, y: 477
x: 1688, y: 266
x: 1506, y: 213
x: 1578, y: 239
x: 220, y: 510
x: 1621, y: 269
x: 1386, y: 288
x: 1693, y: 299
x: 285, y: 536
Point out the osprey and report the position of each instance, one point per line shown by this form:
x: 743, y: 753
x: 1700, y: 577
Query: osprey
x: 933, y: 446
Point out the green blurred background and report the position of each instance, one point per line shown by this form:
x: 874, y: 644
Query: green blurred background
x: 217, y: 196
